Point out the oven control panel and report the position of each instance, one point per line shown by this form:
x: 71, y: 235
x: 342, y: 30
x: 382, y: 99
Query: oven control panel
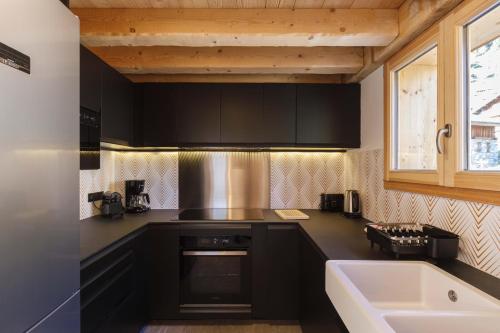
x: 215, y: 242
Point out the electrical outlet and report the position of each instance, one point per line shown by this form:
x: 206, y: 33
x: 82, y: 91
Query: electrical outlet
x: 96, y: 196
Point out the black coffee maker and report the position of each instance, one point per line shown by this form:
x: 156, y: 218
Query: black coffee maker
x: 136, y: 200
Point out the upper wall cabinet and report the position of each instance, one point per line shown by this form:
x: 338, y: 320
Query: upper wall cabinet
x: 117, y: 107
x: 241, y: 113
x: 103, y: 89
x: 90, y: 80
x: 159, y: 115
x: 258, y: 114
x: 279, y: 114
x: 198, y: 113
x: 263, y: 115
x: 328, y: 115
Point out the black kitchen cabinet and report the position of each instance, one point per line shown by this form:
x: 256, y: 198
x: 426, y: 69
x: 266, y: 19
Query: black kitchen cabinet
x: 90, y: 80
x: 241, y: 113
x: 103, y: 89
x: 259, y: 265
x: 328, y: 115
x: 159, y: 123
x: 283, y: 272
x: 138, y: 279
x: 197, y: 107
x: 262, y: 115
x: 124, y: 319
x: 163, y: 273
x: 116, y: 107
x: 317, y: 313
x: 112, y: 288
x: 258, y: 114
x: 138, y: 116
x: 278, y: 125
x: 275, y: 251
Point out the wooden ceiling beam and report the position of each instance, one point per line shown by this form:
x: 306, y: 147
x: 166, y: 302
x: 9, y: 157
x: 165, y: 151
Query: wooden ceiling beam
x: 415, y: 16
x: 235, y: 78
x: 237, y: 27
x: 232, y: 60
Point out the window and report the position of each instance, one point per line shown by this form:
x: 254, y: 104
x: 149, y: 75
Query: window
x: 413, y: 108
x: 416, y: 113
x: 482, y: 98
x: 442, y: 117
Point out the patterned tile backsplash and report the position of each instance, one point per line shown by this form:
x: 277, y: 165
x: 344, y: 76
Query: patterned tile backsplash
x: 297, y: 180
x: 95, y: 181
x: 160, y: 170
x: 477, y: 224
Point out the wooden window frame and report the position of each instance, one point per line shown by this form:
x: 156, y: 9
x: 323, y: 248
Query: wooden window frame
x: 456, y: 175
x: 425, y: 42
x: 451, y: 179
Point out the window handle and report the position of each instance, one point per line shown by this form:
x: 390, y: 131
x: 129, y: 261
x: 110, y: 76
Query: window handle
x: 446, y: 131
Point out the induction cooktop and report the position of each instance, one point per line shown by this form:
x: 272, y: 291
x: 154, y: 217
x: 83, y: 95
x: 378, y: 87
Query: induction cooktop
x: 221, y: 214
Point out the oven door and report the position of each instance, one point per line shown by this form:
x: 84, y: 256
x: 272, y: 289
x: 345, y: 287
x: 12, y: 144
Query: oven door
x: 215, y: 281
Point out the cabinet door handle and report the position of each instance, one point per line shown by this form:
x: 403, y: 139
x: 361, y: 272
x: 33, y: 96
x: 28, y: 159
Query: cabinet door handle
x: 446, y: 131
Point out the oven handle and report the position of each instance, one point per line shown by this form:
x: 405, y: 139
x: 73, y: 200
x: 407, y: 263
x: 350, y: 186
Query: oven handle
x: 214, y: 253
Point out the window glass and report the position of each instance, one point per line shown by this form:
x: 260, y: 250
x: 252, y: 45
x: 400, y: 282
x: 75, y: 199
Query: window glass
x: 416, y: 113
x: 483, y: 92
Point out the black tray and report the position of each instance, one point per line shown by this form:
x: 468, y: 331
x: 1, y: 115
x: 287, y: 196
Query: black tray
x: 422, y: 240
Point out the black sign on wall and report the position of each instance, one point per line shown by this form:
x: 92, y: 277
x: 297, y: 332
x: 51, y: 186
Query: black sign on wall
x: 14, y: 59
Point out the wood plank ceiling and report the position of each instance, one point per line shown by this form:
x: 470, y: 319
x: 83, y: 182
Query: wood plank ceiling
x: 249, y: 40
x: 387, y: 4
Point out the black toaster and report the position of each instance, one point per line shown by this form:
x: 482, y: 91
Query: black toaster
x: 332, y: 202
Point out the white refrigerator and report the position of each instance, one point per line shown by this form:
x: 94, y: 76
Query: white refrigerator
x: 39, y: 167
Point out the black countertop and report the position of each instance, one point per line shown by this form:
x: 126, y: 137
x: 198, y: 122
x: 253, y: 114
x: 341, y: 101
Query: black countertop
x: 97, y: 232
x: 336, y: 236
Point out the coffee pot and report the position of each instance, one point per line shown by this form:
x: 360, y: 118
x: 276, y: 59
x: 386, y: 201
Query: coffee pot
x: 137, y: 201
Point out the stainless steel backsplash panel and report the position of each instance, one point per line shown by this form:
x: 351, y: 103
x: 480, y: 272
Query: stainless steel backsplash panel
x: 224, y: 179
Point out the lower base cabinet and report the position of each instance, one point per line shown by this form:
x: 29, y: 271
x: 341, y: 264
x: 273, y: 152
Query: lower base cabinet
x: 317, y: 313
x: 113, y: 289
x: 137, y: 280
x: 124, y: 318
x: 283, y: 272
x: 163, y: 264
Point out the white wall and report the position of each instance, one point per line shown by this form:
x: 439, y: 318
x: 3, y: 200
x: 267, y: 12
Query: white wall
x: 372, y: 110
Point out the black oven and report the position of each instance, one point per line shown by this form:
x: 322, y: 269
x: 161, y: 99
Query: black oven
x: 216, y: 271
x: 90, y: 139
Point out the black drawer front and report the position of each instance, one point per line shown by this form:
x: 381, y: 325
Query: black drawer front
x: 94, y: 266
x: 110, y: 279
x: 102, y: 295
x: 92, y: 287
x: 124, y: 319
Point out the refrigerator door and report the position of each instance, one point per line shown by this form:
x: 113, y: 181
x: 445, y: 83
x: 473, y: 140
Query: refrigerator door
x: 66, y: 318
x: 39, y: 163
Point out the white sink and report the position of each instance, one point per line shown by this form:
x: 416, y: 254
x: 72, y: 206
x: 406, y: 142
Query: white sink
x: 407, y: 296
